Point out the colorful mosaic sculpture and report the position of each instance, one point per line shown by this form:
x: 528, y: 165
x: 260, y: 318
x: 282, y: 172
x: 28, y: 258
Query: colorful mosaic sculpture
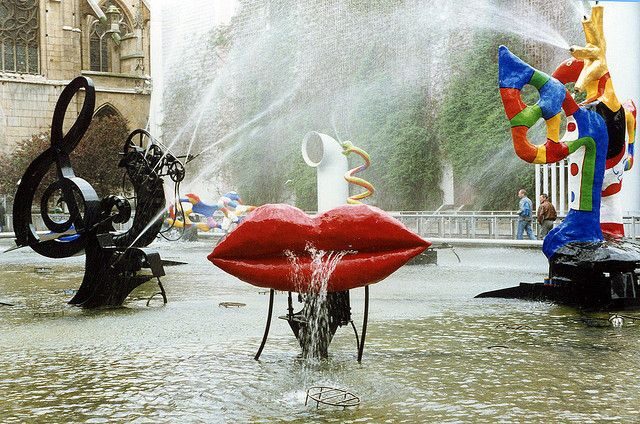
x: 586, y: 139
x: 584, y: 269
x: 589, y: 71
x: 230, y: 205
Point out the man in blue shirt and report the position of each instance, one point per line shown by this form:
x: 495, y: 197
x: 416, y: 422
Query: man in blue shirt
x: 524, y: 215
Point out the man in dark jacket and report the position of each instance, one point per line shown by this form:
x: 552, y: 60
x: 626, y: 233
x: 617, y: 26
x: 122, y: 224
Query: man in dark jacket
x: 546, y: 216
x: 3, y: 217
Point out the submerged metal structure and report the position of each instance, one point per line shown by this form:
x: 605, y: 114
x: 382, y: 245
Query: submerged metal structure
x: 593, y: 277
x: 114, y: 260
x: 317, y: 322
x: 331, y: 396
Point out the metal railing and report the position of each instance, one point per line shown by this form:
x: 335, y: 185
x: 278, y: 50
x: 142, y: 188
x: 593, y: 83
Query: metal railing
x: 447, y: 224
x: 38, y: 223
x: 457, y: 224
x: 481, y: 224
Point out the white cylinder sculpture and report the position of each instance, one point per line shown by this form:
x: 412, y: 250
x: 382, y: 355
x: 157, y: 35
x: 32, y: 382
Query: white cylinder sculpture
x: 325, y: 154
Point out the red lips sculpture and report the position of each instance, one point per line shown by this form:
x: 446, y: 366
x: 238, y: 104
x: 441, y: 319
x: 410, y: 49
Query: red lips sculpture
x: 258, y: 250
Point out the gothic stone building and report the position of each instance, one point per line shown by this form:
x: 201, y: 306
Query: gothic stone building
x: 46, y: 43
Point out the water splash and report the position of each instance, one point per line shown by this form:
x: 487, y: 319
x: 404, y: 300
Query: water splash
x: 316, y: 334
x: 322, y: 263
x: 581, y: 8
x: 501, y: 18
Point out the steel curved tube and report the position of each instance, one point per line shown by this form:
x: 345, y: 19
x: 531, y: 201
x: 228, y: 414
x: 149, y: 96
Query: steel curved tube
x: 268, y: 326
x: 364, y: 323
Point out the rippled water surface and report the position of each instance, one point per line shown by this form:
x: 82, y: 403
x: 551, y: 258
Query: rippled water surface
x: 433, y: 353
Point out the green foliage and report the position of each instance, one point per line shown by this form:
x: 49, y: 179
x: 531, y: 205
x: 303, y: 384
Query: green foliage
x: 220, y: 37
x: 372, y: 5
x: 270, y: 85
x: 362, y: 103
x: 14, y: 165
x: 404, y: 152
x: 95, y: 159
x: 102, y: 144
x: 475, y: 133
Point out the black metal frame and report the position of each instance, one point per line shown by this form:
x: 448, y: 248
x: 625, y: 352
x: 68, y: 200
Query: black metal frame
x: 112, y: 259
x: 331, y: 396
x: 58, y: 154
x: 297, y: 324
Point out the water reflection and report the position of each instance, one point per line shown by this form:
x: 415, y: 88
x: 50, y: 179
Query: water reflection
x: 433, y: 353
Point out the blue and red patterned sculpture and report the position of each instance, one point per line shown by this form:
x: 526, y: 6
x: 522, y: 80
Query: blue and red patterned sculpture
x: 589, y: 71
x: 586, y: 136
x: 586, y: 268
x: 192, y: 206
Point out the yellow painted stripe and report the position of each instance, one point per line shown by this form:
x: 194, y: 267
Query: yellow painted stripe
x: 553, y: 128
x: 631, y: 126
x: 541, y: 157
x: 355, y: 199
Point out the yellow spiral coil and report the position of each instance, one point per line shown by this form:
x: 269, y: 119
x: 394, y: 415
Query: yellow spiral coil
x: 348, y: 147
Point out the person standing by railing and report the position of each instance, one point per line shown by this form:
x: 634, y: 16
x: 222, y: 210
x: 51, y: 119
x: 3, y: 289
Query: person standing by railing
x: 3, y: 217
x: 547, y: 215
x: 524, y: 215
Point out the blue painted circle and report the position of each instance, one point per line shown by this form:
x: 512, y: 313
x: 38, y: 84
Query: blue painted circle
x: 573, y: 196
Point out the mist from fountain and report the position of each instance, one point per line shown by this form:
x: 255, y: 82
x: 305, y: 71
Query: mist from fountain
x: 269, y: 72
x: 286, y: 50
x: 581, y: 8
x: 502, y: 166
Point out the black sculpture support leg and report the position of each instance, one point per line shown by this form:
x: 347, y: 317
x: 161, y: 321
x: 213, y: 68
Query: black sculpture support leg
x: 317, y: 322
x: 289, y: 306
x: 321, y: 318
x: 364, y: 323
x: 268, y: 326
x: 97, y: 262
x: 110, y: 275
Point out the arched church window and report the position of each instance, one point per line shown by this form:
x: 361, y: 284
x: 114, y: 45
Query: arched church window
x: 98, y: 48
x: 19, y: 36
x: 107, y: 110
x: 104, y: 34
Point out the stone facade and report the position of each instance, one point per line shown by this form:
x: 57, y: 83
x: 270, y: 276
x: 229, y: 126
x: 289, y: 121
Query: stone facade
x: 68, y: 40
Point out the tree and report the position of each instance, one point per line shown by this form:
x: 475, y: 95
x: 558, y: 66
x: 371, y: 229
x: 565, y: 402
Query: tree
x: 95, y: 158
x: 475, y: 134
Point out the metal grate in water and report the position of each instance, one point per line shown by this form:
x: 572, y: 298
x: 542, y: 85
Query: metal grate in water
x: 231, y: 304
x: 331, y: 396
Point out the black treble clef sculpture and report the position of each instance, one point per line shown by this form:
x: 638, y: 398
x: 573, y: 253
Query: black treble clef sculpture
x: 70, y: 185
x: 113, y: 260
